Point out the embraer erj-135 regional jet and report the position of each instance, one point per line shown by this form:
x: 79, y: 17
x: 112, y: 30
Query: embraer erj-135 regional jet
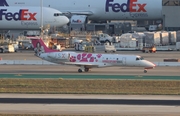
x: 30, y: 17
x: 88, y: 60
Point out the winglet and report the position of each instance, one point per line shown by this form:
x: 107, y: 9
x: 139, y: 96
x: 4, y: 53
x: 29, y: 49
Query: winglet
x: 40, y: 47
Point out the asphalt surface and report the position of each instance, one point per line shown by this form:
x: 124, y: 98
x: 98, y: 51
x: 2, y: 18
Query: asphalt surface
x: 90, y: 104
x: 89, y: 101
x: 73, y: 70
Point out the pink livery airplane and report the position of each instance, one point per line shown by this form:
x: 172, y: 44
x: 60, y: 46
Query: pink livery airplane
x: 88, y: 60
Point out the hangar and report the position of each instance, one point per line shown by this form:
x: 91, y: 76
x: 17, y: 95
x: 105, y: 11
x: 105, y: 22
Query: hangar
x: 171, y: 15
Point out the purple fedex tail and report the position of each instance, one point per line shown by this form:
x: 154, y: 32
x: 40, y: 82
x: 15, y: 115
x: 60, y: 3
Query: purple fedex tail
x: 3, y: 3
x: 40, y: 47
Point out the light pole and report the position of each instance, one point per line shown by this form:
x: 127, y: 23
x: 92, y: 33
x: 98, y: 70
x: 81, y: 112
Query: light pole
x: 41, y: 18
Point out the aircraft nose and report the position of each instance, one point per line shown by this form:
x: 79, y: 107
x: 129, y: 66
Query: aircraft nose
x: 150, y: 65
x: 65, y: 20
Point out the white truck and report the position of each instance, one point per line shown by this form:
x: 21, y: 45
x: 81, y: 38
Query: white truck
x: 25, y: 44
x: 105, y: 38
x: 153, y: 27
x: 7, y: 48
x: 109, y: 48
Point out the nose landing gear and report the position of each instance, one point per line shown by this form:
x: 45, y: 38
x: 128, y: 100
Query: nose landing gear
x: 145, y: 70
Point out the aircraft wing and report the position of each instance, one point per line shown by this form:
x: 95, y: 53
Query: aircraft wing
x: 78, y: 12
x: 81, y: 64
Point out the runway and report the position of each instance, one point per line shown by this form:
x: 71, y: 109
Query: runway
x: 89, y: 101
x: 93, y: 110
x: 90, y: 104
x: 72, y: 70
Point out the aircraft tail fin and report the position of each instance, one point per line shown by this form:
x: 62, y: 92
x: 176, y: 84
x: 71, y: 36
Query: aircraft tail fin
x: 40, y: 47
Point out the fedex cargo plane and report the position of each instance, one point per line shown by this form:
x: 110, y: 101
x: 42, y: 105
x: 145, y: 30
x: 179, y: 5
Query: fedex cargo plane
x: 87, y: 61
x: 100, y: 9
x: 29, y: 17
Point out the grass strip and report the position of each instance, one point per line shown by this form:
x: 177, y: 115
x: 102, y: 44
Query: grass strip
x: 60, y: 86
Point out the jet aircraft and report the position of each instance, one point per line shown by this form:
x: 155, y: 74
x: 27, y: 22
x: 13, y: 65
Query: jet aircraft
x: 87, y: 61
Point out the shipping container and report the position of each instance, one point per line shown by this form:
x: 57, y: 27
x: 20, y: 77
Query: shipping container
x: 172, y: 37
x: 152, y: 38
x: 165, y: 38
x: 132, y: 44
x: 178, y: 36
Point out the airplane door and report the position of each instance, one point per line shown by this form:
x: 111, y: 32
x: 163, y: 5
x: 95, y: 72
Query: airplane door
x: 124, y: 61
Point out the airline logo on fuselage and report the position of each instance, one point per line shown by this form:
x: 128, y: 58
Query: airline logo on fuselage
x: 22, y: 15
x: 130, y: 6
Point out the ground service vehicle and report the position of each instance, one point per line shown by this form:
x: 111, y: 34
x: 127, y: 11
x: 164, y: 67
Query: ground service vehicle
x: 151, y: 49
x: 7, y: 48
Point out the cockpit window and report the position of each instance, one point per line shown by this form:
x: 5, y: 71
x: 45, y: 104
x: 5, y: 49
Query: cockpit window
x: 58, y: 14
x: 139, y: 58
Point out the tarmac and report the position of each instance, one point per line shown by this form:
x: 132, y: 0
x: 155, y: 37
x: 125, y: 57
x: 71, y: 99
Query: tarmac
x: 68, y: 104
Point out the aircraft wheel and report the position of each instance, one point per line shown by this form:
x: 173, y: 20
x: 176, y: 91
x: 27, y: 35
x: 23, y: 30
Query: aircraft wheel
x: 1, y: 50
x: 86, y: 69
x: 145, y: 71
x: 80, y: 70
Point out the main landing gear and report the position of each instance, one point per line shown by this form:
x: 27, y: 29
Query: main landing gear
x: 80, y: 70
x: 86, y: 69
x: 83, y: 70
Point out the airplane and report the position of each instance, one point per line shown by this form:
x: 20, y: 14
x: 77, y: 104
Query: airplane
x: 87, y: 61
x: 101, y: 9
x: 30, y: 17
